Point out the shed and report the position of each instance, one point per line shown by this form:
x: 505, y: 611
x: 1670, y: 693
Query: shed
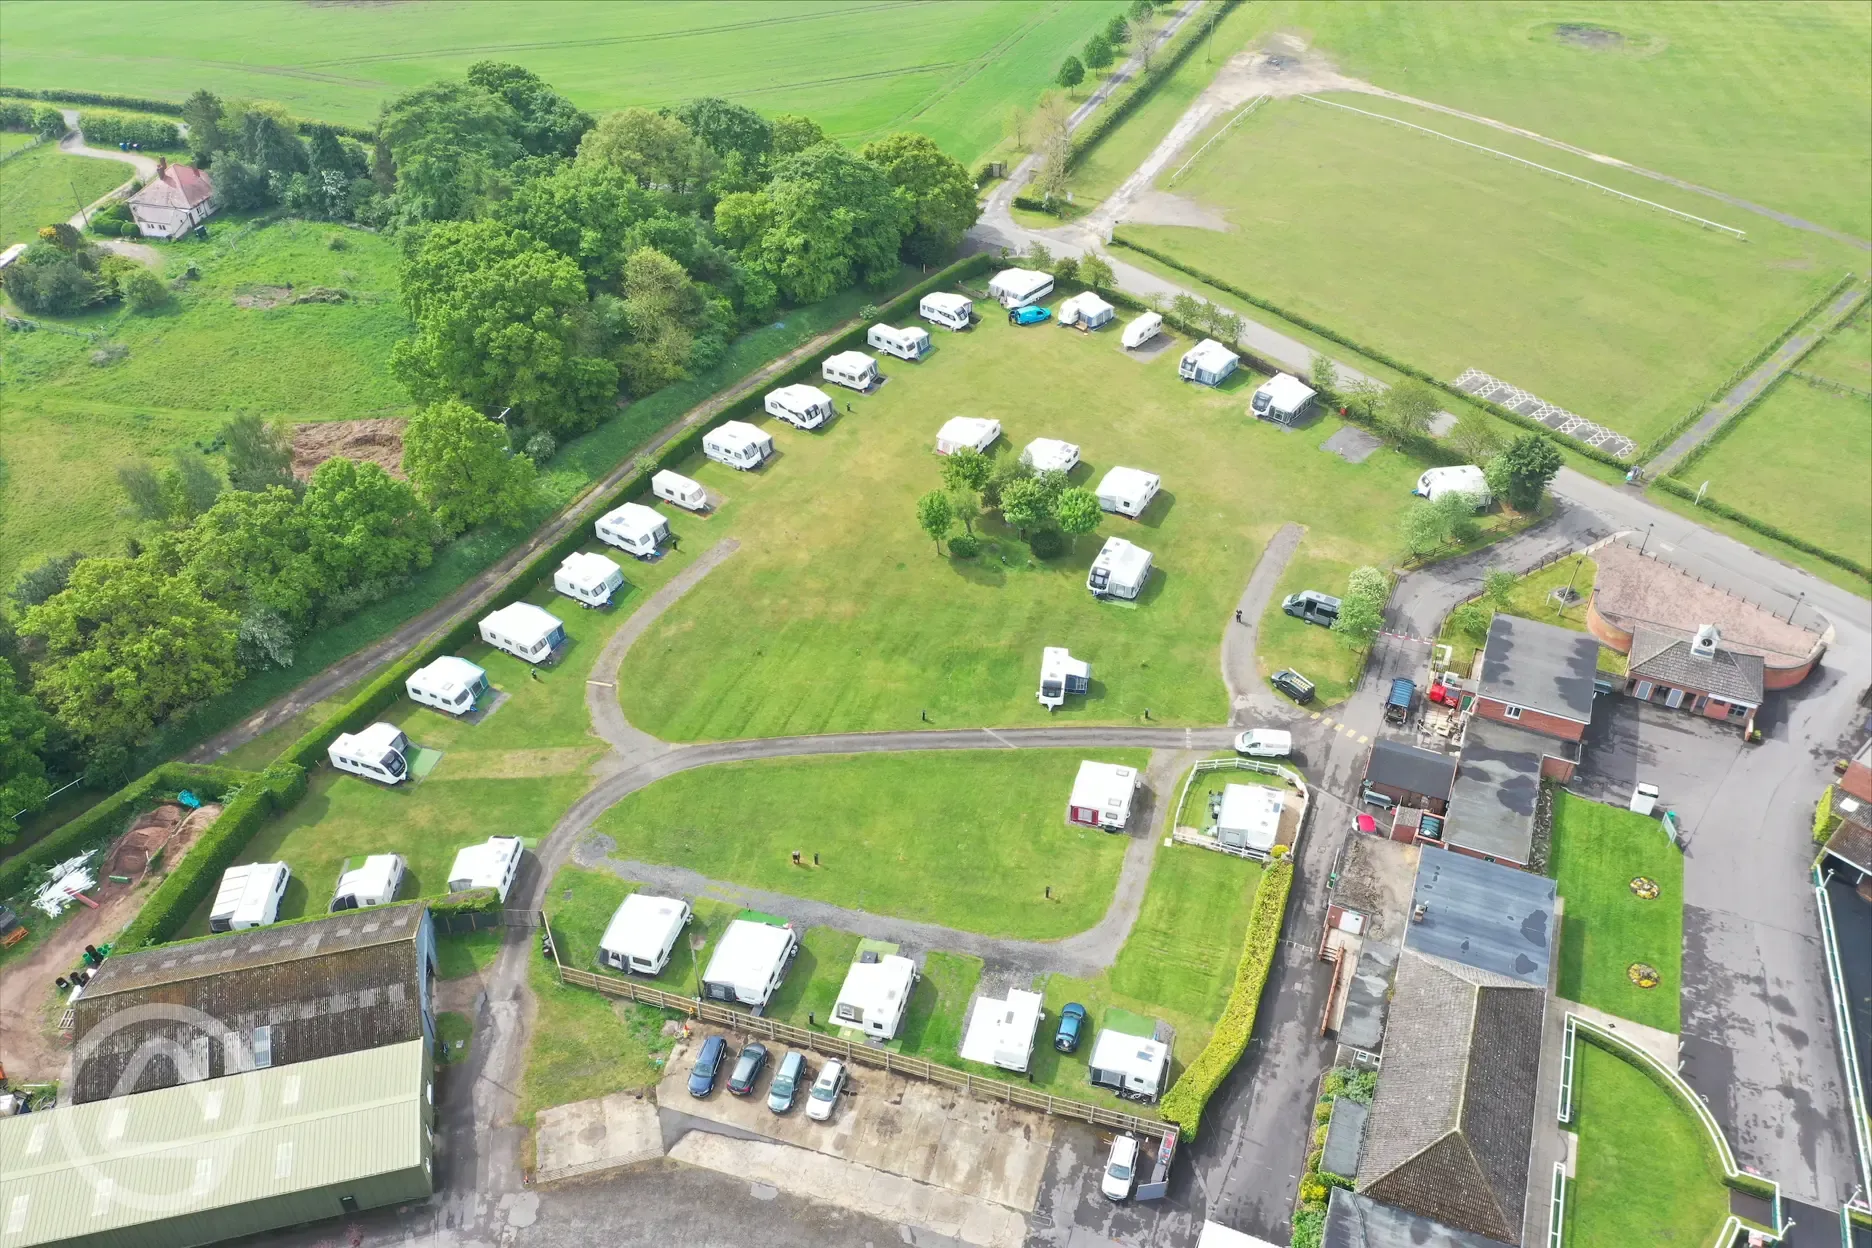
x: 1141, y: 331
x: 524, y: 631
x: 494, y: 863
x: 1208, y: 362
x: 876, y: 994
x: 673, y: 487
x: 738, y: 445
x: 1050, y: 455
x: 1345, y: 1136
x: 642, y: 933
x: 1283, y: 399
x: 1128, y: 491
x: 945, y: 308
x: 1101, y: 796
x: 1016, y: 288
x: 1085, y: 310
x: 1121, y: 570
x: 451, y: 684
x: 249, y: 896
x: 634, y: 528
x: 805, y: 407
x: 1410, y: 776
x: 1250, y: 816
x: 1132, y: 1066
x: 749, y: 962
x: 974, y: 433
x: 588, y: 579
x: 909, y: 343
x: 1061, y: 675
x: 1455, y: 479
x: 1001, y: 1032
x: 373, y: 882
x: 379, y: 752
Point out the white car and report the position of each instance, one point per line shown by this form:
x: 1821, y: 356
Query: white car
x: 1264, y: 743
x: 823, y: 1098
x: 1120, y: 1168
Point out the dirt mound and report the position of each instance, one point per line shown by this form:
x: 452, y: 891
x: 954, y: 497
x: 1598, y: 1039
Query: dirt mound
x: 252, y: 295
x: 375, y: 441
x: 1583, y: 36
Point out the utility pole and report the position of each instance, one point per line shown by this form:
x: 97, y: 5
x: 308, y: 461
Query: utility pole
x: 79, y: 200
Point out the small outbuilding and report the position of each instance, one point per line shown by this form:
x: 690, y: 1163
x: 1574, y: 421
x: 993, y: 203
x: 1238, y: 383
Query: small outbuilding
x: 803, y: 407
x: 1102, y: 795
x: 524, y: 631
x: 852, y: 369
x: 588, y: 579
x: 1086, y: 311
x: 1250, y: 816
x: 1208, y: 362
x: 494, y: 863
x: 1001, y: 1032
x: 379, y: 752
x: 749, y: 962
x: 908, y: 343
x: 1128, y: 491
x: 249, y: 896
x: 373, y: 882
x: 876, y: 994
x: 1061, y: 676
x: 673, y: 487
x: 1050, y: 455
x: 1016, y: 288
x: 1455, y: 479
x: 1141, y: 331
x: 1135, y: 1067
x: 451, y: 684
x: 643, y: 933
x: 952, y: 311
x: 635, y: 529
x: 738, y: 445
x: 1120, y: 571
x: 1283, y: 399
x: 974, y: 433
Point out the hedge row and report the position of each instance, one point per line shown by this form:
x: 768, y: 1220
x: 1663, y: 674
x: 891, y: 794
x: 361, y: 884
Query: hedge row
x: 1824, y: 823
x: 106, y: 128
x: 473, y: 901
x: 1184, y: 1103
x: 1673, y: 486
x: 1168, y: 61
x: 110, y: 817
x: 266, y: 795
x: 1029, y: 204
x: 1409, y: 370
x: 169, y: 108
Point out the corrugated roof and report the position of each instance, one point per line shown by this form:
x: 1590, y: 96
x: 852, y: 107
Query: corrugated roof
x: 136, y: 1159
x: 259, y: 946
x: 1540, y: 666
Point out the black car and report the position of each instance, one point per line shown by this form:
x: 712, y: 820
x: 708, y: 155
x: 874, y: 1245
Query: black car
x: 1293, y: 684
x: 708, y: 1066
x: 747, y: 1070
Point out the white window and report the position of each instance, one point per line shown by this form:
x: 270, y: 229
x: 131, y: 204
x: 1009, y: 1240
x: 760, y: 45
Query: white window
x: 101, y: 1198
x: 16, y: 1213
x: 282, y: 1159
x: 1512, y: 712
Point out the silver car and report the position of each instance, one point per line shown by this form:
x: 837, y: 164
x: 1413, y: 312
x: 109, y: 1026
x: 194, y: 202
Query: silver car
x: 825, y: 1091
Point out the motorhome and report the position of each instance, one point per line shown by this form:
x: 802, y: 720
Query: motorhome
x: 673, y: 487
x: 1120, y: 570
x: 1457, y: 479
x: 803, y: 407
x: 1128, y: 491
x: 749, y: 962
x: 876, y: 994
x: 909, y: 343
x: 1208, y: 363
x: 249, y: 896
x: 1141, y: 331
x: 379, y: 752
x: 1016, y: 288
x: 1050, y: 455
x: 951, y: 311
x: 738, y: 445
x: 1061, y: 676
x: 852, y: 369
x: 971, y: 432
x: 643, y: 933
x: 1086, y: 311
x: 451, y: 684
x: 524, y: 631
x: 494, y: 863
x: 1283, y: 399
x: 373, y: 882
x: 588, y: 579
x: 634, y: 529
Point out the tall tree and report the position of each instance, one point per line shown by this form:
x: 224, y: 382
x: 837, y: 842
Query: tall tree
x: 1474, y: 436
x: 936, y: 515
x: 1025, y: 503
x: 45, y: 578
x: 730, y: 129
x: 450, y: 141
x: 662, y: 310
x: 23, y: 731
x: 1521, y: 473
x: 1071, y: 73
x: 459, y: 462
x: 201, y: 113
x: 934, y: 187
x: 656, y: 149
x: 366, y: 530
x: 1096, y: 271
x: 587, y: 210
x: 1076, y: 511
x: 1325, y: 377
x: 249, y: 550
x: 966, y: 471
x: 793, y: 133
x: 550, y: 124
x: 1098, y: 52
x: 827, y: 218
x: 259, y: 452
x: 1410, y: 407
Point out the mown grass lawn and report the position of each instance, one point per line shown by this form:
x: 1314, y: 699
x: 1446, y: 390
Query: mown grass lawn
x: 967, y: 839
x: 839, y: 613
x: 1846, y: 355
x: 469, y: 953
x: 1646, y: 1173
x: 13, y: 140
x: 1597, y: 851
x: 1532, y: 599
x: 45, y: 186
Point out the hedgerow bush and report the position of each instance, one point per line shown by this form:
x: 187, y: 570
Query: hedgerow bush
x: 106, y: 128
x: 473, y: 901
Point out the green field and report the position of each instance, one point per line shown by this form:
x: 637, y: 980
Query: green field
x: 1646, y: 1173
x: 13, y: 140
x: 1846, y: 355
x: 970, y: 839
x: 1450, y: 259
x: 839, y: 614
x: 45, y: 186
x: 1597, y: 851
x: 1800, y: 459
x: 861, y: 69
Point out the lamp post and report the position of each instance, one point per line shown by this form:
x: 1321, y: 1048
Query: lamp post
x: 1647, y: 537
x: 696, y: 941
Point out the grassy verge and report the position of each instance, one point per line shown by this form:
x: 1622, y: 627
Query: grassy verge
x: 470, y: 953
x: 454, y: 1033
x: 1597, y: 851
x: 45, y: 186
x: 1319, y: 654
x: 1532, y: 599
x: 1827, y: 571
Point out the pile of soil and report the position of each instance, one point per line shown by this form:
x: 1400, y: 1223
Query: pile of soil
x: 377, y: 441
x: 260, y: 296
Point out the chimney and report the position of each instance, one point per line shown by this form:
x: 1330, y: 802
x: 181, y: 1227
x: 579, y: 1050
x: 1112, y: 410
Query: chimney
x: 162, y: 167
x: 1704, y: 646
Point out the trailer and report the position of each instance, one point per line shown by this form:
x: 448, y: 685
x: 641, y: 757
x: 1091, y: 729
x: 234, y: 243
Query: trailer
x: 449, y: 684
x: 1141, y: 331
x: 495, y: 864
x: 1284, y: 399
x: 1086, y: 311
x: 642, y: 934
x: 1001, y: 1031
x: 380, y: 752
x: 1128, y: 491
x: 1016, y: 288
x: 749, y: 962
x: 1397, y: 707
x: 804, y: 407
x: 852, y: 369
x: 633, y: 528
x: 673, y: 487
x: 1102, y: 794
x: 1050, y: 455
x: 966, y: 432
x: 524, y: 631
x: 1061, y: 676
x: 374, y: 882
x: 738, y: 445
x: 249, y: 896
x: 1458, y: 478
x: 876, y: 994
x: 1132, y: 1066
x: 951, y: 311
x: 1208, y: 363
x: 588, y: 579
x: 1120, y: 571
x: 909, y: 343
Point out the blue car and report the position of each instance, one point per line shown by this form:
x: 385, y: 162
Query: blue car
x: 1032, y: 314
x: 1071, y: 1024
x: 708, y: 1066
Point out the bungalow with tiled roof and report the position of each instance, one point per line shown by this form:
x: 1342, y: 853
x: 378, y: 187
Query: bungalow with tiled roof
x: 177, y: 199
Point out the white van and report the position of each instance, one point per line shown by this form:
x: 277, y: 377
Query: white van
x: 673, y: 487
x: 249, y: 896
x: 643, y: 933
x: 852, y: 369
x: 451, y: 684
x: 634, y: 529
x: 738, y: 445
x: 524, y: 631
x: 588, y: 579
x: 909, y: 343
x: 948, y: 310
x: 803, y: 407
x: 379, y: 752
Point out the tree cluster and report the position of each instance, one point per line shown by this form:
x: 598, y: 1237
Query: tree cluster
x: 262, y: 158
x: 61, y: 273
x: 1045, y: 508
x: 1361, y: 607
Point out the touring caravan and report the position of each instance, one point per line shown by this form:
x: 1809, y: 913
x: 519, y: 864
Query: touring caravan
x: 588, y: 579
x: 1141, y: 331
x: 449, y: 684
x: 972, y: 432
x: 1001, y: 1032
x: 738, y: 445
x: 909, y: 343
x: 749, y: 962
x: 1061, y: 675
x: 949, y: 310
x: 1016, y: 288
x: 635, y: 529
x: 852, y: 369
x: 1086, y: 311
x: 1102, y: 794
x: 379, y: 752
x: 249, y: 896
x: 673, y: 487
x: 1250, y: 817
x: 1208, y: 362
x: 1135, y: 1067
x: 643, y: 933
x: 1284, y: 399
x: 1120, y: 570
x: 876, y: 994
x: 524, y: 631
x: 495, y: 863
x: 1050, y: 455
x: 803, y: 407
x: 1462, y: 478
x: 1128, y: 491
x: 374, y: 882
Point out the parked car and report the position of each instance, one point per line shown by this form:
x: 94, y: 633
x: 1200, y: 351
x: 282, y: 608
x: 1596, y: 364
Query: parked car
x: 1120, y: 1168
x: 1264, y: 743
x: 1313, y: 607
x: 823, y: 1098
x: 1071, y: 1025
x: 1032, y: 314
x: 1397, y: 707
x: 747, y: 1070
x: 786, y: 1082
x: 708, y: 1066
x: 1293, y: 684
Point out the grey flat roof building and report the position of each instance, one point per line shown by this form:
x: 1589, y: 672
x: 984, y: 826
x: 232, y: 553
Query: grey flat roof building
x: 1362, y: 1022
x: 1491, y: 807
x: 1406, y: 767
x: 1482, y: 915
x: 1345, y: 1137
x: 1354, y: 1221
x: 1540, y: 666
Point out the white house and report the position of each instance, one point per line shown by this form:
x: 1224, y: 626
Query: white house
x: 634, y: 529
x: 852, y: 369
x: 451, y: 684
x: 749, y: 962
x: 949, y: 310
x: 177, y: 199
x: 876, y: 994
x: 737, y: 444
x: 1050, y: 454
x: 1016, y: 288
x: 1283, y: 399
x: 379, y: 752
x: 1141, y: 331
x: 1460, y: 478
x: 494, y: 863
x: 1208, y: 362
x: 1061, y: 675
x: 524, y: 631
x: 803, y: 407
x: 908, y: 343
x: 1120, y: 571
x: 1132, y: 1066
x: 1001, y: 1033
x: 972, y: 432
x: 673, y: 487
x: 1128, y: 491
x: 374, y: 882
x: 588, y: 579
x: 1101, y: 796
x: 643, y: 933
x: 1086, y: 310
x: 1250, y: 816
x: 249, y: 896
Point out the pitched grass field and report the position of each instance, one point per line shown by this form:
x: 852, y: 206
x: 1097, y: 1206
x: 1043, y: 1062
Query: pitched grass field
x: 45, y: 186
x: 1846, y: 355
x: 1597, y: 850
x: 860, y: 68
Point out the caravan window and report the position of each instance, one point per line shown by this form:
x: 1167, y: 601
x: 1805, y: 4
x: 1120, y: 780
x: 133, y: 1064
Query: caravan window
x: 1261, y: 401
x: 1051, y: 688
x: 392, y: 763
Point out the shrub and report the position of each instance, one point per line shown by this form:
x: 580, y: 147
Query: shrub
x: 1322, y: 1112
x: 965, y: 545
x: 1313, y: 1189
x: 1309, y: 1228
x: 106, y: 129
x: 336, y: 242
x: 1824, y: 819
x: 474, y: 901
x: 143, y: 291
x: 1047, y: 543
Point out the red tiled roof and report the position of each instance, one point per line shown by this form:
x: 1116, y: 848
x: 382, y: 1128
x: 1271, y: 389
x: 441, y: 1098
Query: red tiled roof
x: 176, y: 186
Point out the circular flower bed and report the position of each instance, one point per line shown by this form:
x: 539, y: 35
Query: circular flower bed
x: 1643, y: 974
x: 1645, y: 887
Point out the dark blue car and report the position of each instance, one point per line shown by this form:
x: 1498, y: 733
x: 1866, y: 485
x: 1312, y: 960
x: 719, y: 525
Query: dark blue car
x: 708, y: 1066
x: 1071, y: 1024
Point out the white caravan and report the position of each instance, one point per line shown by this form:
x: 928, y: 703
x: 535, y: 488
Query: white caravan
x: 1016, y: 288
x: 1461, y: 478
x: 749, y: 962
x: 673, y: 487
x: 588, y: 579
x: 1050, y: 455
x: 374, y: 882
x: 634, y: 529
x: 737, y: 444
x: 1128, y: 491
x: 1120, y: 570
x: 643, y: 933
x: 1141, y: 331
x: 1001, y: 1033
x: 1061, y: 675
x: 451, y: 684
x: 1132, y: 1066
x: 379, y: 752
x: 948, y: 310
x: 1283, y: 399
x: 1102, y: 794
x: 1085, y: 310
x: 524, y: 631
x: 494, y: 863
x: 1250, y: 817
x: 803, y: 407
x: 974, y: 433
x: 852, y: 369
x: 1208, y: 362
x: 876, y: 994
x: 908, y: 343
x: 249, y: 896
